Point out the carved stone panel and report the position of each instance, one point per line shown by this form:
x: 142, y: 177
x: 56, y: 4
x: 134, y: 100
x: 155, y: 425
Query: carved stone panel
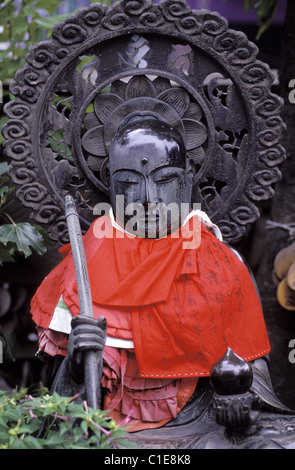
x: 181, y: 65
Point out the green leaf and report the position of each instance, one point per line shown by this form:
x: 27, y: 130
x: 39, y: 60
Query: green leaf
x: 5, y: 189
x: 7, y: 7
x: 20, y: 26
x: 29, y: 428
x: 49, y: 22
x: 3, y: 436
x: 247, y: 5
x: 266, y: 10
x: 13, y: 414
x: 18, y: 424
x: 3, y: 168
x: 24, y: 236
x: 103, y: 2
x: 55, y: 439
x: 20, y: 34
x: 50, y: 6
x: 32, y: 443
x: 265, y: 7
x: 6, y: 255
x: 18, y: 444
x: 29, y: 10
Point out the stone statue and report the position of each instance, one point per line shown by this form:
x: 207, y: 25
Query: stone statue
x: 182, y: 118
x: 193, y: 396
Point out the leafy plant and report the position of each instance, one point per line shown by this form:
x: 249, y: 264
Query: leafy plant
x: 17, y: 238
x: 26, y: 23
x: 265, y: 10
x: 45, y: 421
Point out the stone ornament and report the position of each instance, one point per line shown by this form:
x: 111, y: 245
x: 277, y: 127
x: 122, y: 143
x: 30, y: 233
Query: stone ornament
x: 105, y: 64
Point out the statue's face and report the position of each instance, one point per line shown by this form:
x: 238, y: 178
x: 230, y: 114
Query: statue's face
x: 147, y: 166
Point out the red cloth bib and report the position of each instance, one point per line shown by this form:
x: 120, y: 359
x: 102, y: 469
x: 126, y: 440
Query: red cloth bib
x: 184, y: 306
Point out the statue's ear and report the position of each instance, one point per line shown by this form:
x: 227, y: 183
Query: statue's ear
x: 190, y: 171
x: 105, y: 172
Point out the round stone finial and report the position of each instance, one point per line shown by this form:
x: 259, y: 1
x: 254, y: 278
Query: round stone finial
x: 231, y: 375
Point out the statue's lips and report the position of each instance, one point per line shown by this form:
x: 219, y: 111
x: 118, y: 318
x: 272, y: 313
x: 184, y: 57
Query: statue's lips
x: 149, y: 218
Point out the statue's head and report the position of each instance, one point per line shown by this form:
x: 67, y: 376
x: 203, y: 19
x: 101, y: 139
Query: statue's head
x: 149, y: 168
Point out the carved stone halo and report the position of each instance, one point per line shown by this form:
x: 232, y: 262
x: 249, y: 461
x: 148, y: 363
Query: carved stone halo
x: 142, y: 99
x: 105, y: 65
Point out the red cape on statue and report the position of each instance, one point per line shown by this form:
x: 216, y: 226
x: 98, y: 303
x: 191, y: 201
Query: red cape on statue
x: 181, y: 306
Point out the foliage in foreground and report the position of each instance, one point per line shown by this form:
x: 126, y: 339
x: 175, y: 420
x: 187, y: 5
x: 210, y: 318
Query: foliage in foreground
x: 17, y: 238
x: 64, y: 423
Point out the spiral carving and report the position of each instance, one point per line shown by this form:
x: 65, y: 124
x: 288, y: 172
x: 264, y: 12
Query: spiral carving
x: 17, y: 149
x: 273, y: 157
x: 189, y: 24
x: 15, y: 129
x: 92, y: 16
x: 60, y: 231
x: 244, y: 215
x: 28, y: 93
x: 69, y: 33
x: 256, y: 73
x: 115, y: 21
x: 174, y: 9
x: 47, y: 213
x: 136, y: 7
x: 41, y: 56
x: 243, y: 55
x: 269, y: 137
x: 257, y: 93
x: 31, y: 195
x: 227, y: 42
x: 21, y: 174
x: 31, y: 76
x: 214, y: 24
x: 152, y: 17
x: 260, y: 193
x: 18, y: 110
x: 267, y: 176
x: 231, y: 230
x: 271, y: 106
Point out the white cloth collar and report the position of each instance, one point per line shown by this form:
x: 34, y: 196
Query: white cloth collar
x: 202, y: 216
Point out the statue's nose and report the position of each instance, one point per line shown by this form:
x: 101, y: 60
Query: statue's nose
x: 149, y: 195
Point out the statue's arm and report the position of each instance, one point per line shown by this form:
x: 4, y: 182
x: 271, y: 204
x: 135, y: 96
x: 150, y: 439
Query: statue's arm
x: 87, y: 334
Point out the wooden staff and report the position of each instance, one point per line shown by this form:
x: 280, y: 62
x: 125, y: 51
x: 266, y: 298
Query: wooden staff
x: 92, y: 369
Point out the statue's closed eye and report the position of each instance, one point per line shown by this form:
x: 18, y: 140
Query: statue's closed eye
x: 166, y: 178
x: 127, y: 181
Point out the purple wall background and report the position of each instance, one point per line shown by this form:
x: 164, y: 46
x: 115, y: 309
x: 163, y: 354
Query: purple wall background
x: 233, y: 10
